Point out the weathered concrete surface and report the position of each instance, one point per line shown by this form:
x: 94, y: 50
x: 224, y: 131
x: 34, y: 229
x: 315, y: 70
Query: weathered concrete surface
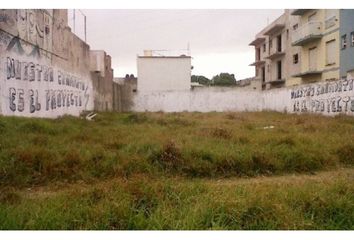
x: 328, y: 98
x: 102, y: 80
x: 44, y: 67
x: 124, y: 91
x: 164, y: 73
x: 44, y: 91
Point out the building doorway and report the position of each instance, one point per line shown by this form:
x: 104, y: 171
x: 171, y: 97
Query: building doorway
x: 279, y: 70
x: 279, y: 46
x: 313, y: 59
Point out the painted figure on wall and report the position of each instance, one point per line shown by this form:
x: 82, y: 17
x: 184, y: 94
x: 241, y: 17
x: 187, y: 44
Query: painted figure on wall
x: 34, y: 33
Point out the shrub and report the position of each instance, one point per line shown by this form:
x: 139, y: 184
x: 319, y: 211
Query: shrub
x: 346, y: 154
x: 136, y: 118
x: 38, y: 126
x: 9, y: 196
x: 221, y: 133
x: 259, y: 216
x: 169, y: 158
x: 262, y: 163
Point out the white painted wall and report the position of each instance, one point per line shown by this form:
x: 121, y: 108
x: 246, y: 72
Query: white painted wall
x: 44, y: 67
x: 324, y: 98
x: 163, y: 73
x: 36, y: 93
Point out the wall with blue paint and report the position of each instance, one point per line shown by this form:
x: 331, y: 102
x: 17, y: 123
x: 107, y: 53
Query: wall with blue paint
x: 347, y: 54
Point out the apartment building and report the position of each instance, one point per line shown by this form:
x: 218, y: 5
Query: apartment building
x: 305, y: 45
x: 274, y: 61
x: 317, y: 34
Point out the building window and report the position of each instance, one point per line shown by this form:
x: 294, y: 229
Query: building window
x: 264, y: 47
x: 344, y: 41
x: 279, y: 43
x: 258, y: 54
x: 352, y: 39
x: 296, y: 26
x: 270, y: 44
x: 279, y: 70
x: 312, y: 59
x: 295, y: 58
x: 330, y: 52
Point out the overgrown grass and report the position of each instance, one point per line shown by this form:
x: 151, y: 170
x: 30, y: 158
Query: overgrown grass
x: 324, y: 201
x: 168, y: 166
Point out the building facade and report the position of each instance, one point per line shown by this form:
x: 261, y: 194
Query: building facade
x: 102, y: 80
x: 318, y: 36
x: 124, y: 91
x: 274, y: 53
x: 346, y: 31
x: 164, y: 73
x: 304, y: 46
x: 249, y: 84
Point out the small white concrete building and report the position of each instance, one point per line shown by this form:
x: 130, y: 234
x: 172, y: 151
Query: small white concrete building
x: 164, y: 73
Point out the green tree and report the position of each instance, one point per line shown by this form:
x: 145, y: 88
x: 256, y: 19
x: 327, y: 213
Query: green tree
x: 201, y: 80
x: 224, y: 79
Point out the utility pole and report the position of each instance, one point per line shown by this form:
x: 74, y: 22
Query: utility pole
x: 85, y: 26
x: 74, y: 20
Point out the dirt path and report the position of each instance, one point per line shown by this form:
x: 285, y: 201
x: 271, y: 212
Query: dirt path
x: 322, y: 176
x: 319, y: 177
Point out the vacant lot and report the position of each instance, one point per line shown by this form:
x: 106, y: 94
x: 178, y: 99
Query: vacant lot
x: 177, y: 171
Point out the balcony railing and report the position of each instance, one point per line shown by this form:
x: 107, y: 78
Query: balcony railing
x: 275, y: 52
x: 257, y: 63
x: 257, y: 41
x: 309, y: 72
x: 330, y: 22
x: 306, y: 33
x: 299, y: 12
x: 277, y: 81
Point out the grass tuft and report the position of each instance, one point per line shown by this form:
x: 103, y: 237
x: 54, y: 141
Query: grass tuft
x: 346, y: 154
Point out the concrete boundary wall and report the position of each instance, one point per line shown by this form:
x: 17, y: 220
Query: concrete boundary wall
x: 328, y: 98
x: 44, y: 67
x: 44, y: 91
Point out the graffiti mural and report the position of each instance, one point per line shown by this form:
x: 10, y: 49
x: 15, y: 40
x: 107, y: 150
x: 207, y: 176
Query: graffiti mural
x: 33, y: 87
x: 328, y: 98
x: 5, y: 40
x: 37, y: 77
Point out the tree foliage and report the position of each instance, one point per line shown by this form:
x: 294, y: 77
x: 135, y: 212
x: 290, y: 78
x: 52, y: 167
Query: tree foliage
x: 224, y: 79
x: 201, y: 80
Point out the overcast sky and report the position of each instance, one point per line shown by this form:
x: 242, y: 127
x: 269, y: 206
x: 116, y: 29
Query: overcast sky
x: 218, y: 39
